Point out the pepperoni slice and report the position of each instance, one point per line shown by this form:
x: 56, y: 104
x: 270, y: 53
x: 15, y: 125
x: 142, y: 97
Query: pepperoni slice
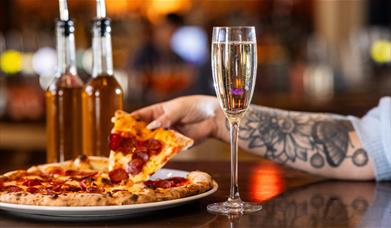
x: 159, y: 184
x: 31, y: 183
x: 135, y: 166
x: 166, y: 183
x: 122, y: 143
x: 179, y: 180
x: 140, y: 143
x: 71, y: 188
x: 154, y: 146
x: 117, y: 175
x: 12, y: 188
x: 141, y: 155
x: 114, y: 141
x: 32, y: 190
x: 126, y: 146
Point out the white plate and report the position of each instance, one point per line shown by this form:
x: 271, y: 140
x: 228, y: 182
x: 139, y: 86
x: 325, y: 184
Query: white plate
x: 104, y: 212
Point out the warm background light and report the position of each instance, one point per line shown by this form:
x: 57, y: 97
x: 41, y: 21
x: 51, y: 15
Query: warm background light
x: 381, y: 51
x: 11, y: 62
x: 266, y: 182
x: 157, y: 8
x: 118, y: 7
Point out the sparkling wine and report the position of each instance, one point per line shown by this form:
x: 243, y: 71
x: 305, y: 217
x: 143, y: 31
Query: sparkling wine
x: 234, y: 66
x: 234, y: 69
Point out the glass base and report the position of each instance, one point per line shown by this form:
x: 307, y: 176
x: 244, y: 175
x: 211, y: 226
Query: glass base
x: 237, y: 207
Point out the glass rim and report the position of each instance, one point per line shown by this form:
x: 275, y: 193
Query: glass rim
x: 234, y: 27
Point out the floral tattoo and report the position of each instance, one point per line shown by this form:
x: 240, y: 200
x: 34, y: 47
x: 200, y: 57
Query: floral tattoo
x: 290, y: 136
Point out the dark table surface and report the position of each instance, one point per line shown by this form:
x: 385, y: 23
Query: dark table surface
x: 290, y: 199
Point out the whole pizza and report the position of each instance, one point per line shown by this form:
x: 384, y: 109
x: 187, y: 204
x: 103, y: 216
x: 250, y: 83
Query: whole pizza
x: 122, y: 179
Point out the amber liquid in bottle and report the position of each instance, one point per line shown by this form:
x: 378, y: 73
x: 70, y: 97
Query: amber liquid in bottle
x: 102, y: 94
x: 64, y: 119
x: 64, y: 101
x: 102, y: 97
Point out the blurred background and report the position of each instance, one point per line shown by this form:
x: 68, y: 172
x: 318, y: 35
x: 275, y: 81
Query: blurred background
x: 313, y: 55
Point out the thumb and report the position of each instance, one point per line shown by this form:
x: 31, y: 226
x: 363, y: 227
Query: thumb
x: 163, y: 114
x: 162, y: 121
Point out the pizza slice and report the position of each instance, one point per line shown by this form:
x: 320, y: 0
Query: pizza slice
x: 137, y: 152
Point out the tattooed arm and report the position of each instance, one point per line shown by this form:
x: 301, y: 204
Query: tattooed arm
x: 324, y: 144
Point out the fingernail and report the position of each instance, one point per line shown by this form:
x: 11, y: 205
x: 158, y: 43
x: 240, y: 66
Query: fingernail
x: 153, y: 125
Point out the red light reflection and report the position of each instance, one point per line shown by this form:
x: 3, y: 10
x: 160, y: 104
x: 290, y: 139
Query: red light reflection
x: 266, y: 181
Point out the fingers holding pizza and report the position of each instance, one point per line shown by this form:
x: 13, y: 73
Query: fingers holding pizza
x: 197, y: 117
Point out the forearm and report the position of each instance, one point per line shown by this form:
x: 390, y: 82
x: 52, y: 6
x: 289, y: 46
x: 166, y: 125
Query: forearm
x: 322, y: 144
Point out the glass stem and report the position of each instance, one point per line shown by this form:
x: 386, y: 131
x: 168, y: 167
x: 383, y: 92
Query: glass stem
x: 234, y: 191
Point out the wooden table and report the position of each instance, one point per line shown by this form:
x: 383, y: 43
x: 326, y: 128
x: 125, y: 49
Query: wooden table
x: 290, y: 199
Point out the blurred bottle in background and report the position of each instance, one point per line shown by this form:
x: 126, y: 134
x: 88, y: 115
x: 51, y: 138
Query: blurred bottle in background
x: 318, y: 77
x: 64, y: 99
x: 103, y: 94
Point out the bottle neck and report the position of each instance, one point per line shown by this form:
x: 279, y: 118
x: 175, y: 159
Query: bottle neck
x: 102, y: 60
x: 66, y: 54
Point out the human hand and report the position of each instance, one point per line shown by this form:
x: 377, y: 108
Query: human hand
x: 197, y: 117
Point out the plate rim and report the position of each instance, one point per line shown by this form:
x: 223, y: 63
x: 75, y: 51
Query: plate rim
x: 25, y: 207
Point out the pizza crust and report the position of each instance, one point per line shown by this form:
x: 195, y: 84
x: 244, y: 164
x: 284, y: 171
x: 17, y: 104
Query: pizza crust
x: 184, y: 142
x: 68, y: 199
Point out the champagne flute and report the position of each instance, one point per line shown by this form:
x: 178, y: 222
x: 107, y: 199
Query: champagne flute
x: 234, y: 66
